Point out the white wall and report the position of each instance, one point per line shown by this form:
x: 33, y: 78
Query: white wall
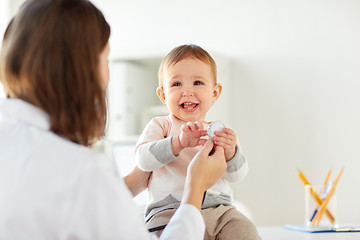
x: 4, y: 18
x: 294, y: 90
x: 8, y: 8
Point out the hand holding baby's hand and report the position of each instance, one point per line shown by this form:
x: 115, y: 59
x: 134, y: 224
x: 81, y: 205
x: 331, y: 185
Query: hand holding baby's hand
x: 226, y: 139
x: 191, y: 134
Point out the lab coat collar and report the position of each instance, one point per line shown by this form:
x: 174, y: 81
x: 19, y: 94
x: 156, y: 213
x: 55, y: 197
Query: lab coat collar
x: 24, y: 112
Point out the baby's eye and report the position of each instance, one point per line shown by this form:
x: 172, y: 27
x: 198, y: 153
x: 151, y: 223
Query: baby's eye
x: 198, y: 83
x: 176, y: 84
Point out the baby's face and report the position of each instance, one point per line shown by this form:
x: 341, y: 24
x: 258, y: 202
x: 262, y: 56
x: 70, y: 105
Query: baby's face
x: 189, y: 89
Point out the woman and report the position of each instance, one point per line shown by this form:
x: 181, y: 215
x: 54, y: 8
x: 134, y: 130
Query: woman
x: 54, y: 71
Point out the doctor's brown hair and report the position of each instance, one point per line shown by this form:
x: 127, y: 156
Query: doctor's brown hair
x: 50, y: 58
x: 186, y: 51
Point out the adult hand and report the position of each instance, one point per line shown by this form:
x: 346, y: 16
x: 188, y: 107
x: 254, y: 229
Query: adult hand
x: 137, y: 181
x: 203, y: 172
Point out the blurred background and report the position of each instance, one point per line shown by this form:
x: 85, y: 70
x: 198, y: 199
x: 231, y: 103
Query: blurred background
x: 290, y: 72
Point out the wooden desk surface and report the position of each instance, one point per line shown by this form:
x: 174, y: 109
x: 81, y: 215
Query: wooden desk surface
x: 280, y: 233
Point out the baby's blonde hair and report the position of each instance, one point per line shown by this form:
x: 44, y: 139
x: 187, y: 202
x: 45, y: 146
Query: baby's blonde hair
x: 186, y: 51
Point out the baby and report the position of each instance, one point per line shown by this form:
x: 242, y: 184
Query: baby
x: 188, y: 86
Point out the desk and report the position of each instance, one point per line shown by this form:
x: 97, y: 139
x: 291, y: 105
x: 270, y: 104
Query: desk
x: 280, y: 233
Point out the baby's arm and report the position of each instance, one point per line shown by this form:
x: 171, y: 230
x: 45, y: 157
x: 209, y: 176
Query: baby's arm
x: 237, y: 164
x: 154, y: 149
x: 237, y: 167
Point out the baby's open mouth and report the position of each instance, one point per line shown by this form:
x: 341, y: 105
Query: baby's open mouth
x: 188, y: 105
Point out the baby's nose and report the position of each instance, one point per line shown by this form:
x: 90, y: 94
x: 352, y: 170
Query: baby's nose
x: 188, y: 94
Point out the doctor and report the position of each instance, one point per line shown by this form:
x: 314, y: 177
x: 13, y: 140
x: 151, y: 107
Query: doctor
x: 54, y: 70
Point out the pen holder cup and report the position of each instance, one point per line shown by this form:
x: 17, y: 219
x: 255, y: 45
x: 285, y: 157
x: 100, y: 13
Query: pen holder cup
x: 315, y: 215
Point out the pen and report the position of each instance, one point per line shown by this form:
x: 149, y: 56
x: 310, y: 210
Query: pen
x: 322, y: 191
x: 325, y: 182
x: 322, y: 208
x: 313, y: 193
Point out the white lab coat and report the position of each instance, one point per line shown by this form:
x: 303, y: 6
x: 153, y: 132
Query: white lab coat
x: 51, y: 188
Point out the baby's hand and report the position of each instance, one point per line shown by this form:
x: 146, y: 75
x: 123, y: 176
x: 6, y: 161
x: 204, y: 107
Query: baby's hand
x: 226, y: 139
x: 191, y: 134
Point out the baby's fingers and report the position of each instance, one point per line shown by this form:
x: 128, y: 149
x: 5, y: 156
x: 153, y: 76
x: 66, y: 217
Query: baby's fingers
x: 194, y: 126
x: 202, y: 141
x: 203, y: 133
x: 199, y: 125
x: 191, y: 125
x: 184, y: 127
x: 224, y: 145
x: 225, y: 132
x: 224, y: 139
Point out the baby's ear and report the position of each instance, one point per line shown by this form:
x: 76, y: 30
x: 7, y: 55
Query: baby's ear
x: 161, y: 94
x: 217, y: 91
